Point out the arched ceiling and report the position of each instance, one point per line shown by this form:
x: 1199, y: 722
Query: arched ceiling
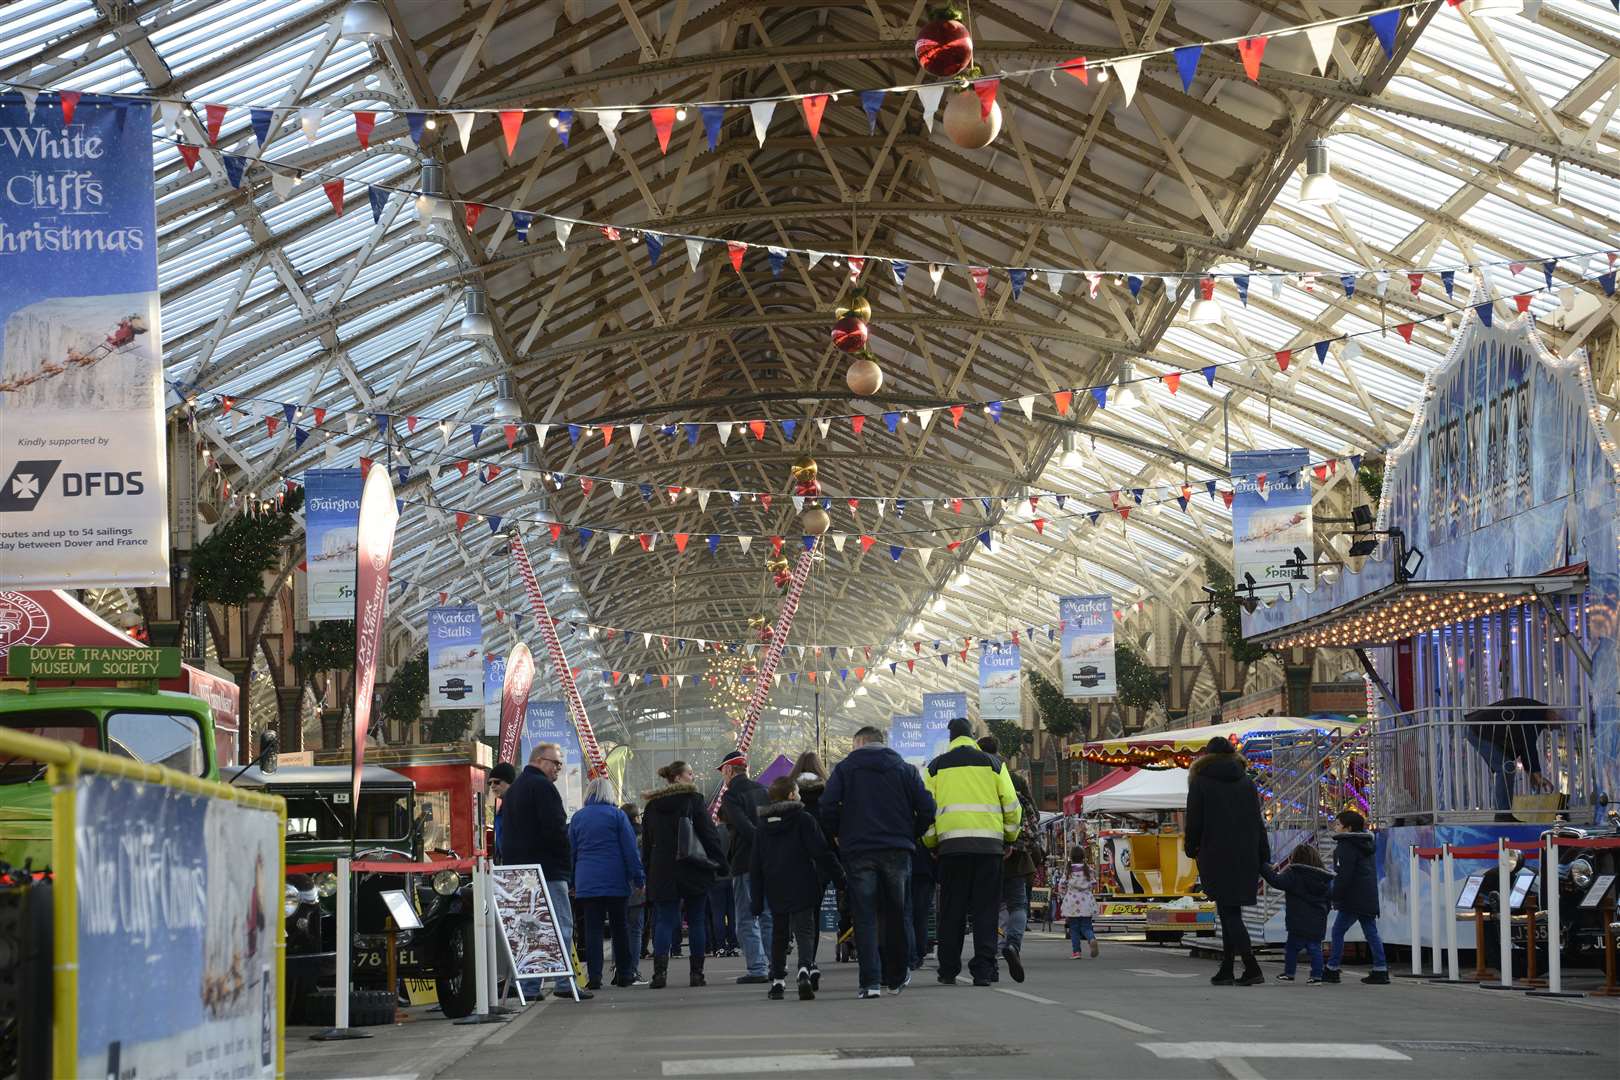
x: 1477, y: 140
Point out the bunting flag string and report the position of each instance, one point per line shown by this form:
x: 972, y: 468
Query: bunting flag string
x: 1060, y: 400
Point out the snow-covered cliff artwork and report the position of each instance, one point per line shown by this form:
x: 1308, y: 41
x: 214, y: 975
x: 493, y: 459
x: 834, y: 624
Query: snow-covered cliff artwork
x: 81, y: 353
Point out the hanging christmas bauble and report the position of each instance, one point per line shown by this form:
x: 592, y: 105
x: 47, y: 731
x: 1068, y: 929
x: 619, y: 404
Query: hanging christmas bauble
x: 849, y: 333
x: 965, y: 122
x: 864, y: 377
x: 943, y: 45
x: 807, y: 487
x: 815, y: 520
x: 804, y: 467
x: 858, y: 306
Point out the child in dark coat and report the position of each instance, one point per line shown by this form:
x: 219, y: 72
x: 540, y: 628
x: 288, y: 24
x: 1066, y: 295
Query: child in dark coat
x: 791, y: 865
x: 1355, y: 895
x: 1306, y: 883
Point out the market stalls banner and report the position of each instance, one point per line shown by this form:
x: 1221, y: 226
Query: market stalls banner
x: 1087, y: 658
x: 938, y: 710
x: 1000, y: 671
x: 83, y: 484
x: 378, y: 516
x: 548, y: 721
x: 906, y: 738
x: 331, y: 532
x: 515, y: 686
x: 1271, y: 515
x: 179, y: 898
x: 494, y: 682
x: 455, y: 645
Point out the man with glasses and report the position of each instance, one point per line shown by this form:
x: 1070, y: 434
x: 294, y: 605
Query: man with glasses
x: 534, y: 829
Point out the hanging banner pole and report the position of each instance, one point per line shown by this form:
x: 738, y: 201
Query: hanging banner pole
x: 559, y: 662
x: 375, y: 540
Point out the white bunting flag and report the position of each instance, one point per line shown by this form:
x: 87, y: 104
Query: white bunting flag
x: 31, y: 97
x: 761, y: 112
x: 882, y: 504
x: 282, y: 184
x: 525, y: 479
x: 703, y: 498
x: 815, y: 257
x: 646, y: 639
x: 723, y: 427
x: 1054, y: 278
x: 540, y: 431
x: 1351, y: 350
x: 618, y: 488
x: 1276, y: 286
x: 936, y: 273
x: 822, y: 425
x: 694, y: 251
x: 1382, y: 277
x: 613, y: 549
x: 743, y: 542
x: 1093, y: 282
x: 924, y: 554
x: 929, y: 97
x: 928, y: 508
x: 168, y: 111
x: 925, y: 417
x: 798, y: 503
x: 1027, y: 404
x: 464, y: 126
x: 1128, y: 71
x: 609, y: 119
x: 348, y: 423
x: 309, y: 118
x: 838, y: 540
x: 1321, y: 39
x: 564, y: 227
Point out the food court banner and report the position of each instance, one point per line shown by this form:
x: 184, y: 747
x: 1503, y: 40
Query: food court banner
x: 1088, y: 646
x: 179, y: 899
x: 906, y: 738
x: 1271, y: 515
x: 455, y: 645
x: 548, y: 721
x: 938, y: 710
x: 331, y: 537
x: 83, y: 483
x: 999, y: 673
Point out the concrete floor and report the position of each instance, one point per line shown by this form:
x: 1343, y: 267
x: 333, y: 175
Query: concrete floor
x: 1137, y: 1011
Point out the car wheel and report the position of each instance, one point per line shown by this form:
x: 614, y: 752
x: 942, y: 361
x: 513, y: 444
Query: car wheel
x: 454, y: 975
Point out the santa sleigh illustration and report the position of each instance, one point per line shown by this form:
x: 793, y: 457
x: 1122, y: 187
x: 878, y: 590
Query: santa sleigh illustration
x: 123, y: 335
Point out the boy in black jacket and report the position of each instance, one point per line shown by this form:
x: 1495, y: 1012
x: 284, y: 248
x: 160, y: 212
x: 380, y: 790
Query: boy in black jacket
x: 1306, y: 883
x: 791, y: 865
x: 1355, y: 894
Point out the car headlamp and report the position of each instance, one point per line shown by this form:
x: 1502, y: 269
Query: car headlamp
x: 446, y: 882
x: 1580, y: 872
x: 290, y: 901
x: 326, y: 885
x: 1515, y: 860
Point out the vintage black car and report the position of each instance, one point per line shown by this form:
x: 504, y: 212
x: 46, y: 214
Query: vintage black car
x: 319, y: 816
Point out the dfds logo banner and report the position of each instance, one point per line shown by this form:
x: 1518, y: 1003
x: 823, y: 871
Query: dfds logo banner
x: 83, y: 495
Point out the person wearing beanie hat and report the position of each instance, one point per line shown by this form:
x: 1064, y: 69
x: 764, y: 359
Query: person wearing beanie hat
x: 739, y: 810
x: 500, y: 778
x: 1227, y: 836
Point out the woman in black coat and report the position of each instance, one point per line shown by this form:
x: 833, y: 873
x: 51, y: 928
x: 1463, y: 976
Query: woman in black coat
x: 1227, y: 835
x: 671, y: 881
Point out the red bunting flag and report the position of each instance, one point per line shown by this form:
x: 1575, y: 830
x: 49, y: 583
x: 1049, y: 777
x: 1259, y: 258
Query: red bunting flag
x: 646, y: 541
x: 1172, y: 381
x: 953, y: 545
x: 586, y: 484
x: 461, y: 519
x: 814, y: 106
x: 911, y: 665
x: 1283, y: 356
x: 1062, y: 399
x: 444, y: 598
x: 676, y: 489
x: 857, y: 422
x: 556, y: 531
x: 334, y: 192
x: 680, y: 542
x: 462, y: 465
x: 758, y: 428
x: 1522, y: 302
x: 216, y: 117
x: 867, y: 542
x: 70, y: 102
x: 1077, y: 68
x: 511, y: 123
x: 957, y: 410
x: 956, y: 506
x: 188, y: 154
x: 776, y: 545
x: 1251, y: 49
x: 986, y: 89
x: 765, y: 499
x: 1260, y: 482
x: 607, y: 434
x: 1125, y: 513
x: 663, y: 121
x: 1321, y: 473
x: 860, y: 674
x: 854, y: 506
x: 272, y: 422
x: 363, y: 123
x: 493, y: 471
x: 1226, y: 497
x: 472, y: 213
x: 320, y: 416
x: 1405, y: 330
x: 981, y: 277
x: 510, y: 431
x: 736, y: 250
x: 410, y: 424
x: 1040, y: 526
x: 1416, y: 281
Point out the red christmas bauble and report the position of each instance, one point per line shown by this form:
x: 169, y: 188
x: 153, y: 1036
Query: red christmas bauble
x: 944, y: 47
x: 849, y: 334
x: 808, y: 487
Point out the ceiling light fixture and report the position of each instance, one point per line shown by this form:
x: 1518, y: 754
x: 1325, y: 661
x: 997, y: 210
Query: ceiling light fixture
x: 1126, y: 396
x: 1071, y: 458
x: 365, y: 20
x: 506, y: 405
x: 431, y: 204
x: 1318, y: 188
x: 475, y: 316
x: 1492, y: 9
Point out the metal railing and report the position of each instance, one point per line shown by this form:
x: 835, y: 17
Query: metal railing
x: 1434, y: 764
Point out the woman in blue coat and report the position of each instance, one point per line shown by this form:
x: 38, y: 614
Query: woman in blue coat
x: 607, y: 868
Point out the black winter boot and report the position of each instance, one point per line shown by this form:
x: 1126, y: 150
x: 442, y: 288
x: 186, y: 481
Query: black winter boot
x: 697, y: 978
x: 1223, y: 974
x: 1252, y: 975
x: 660, y: 977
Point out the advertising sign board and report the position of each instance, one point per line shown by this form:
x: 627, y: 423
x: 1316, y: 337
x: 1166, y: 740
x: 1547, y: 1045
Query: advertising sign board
x: 1271, y: 515
x: 331, y: 537
x: 455, y: 643
x: 1087, y: 659
x: 938, y: 710
x: 999, y: 675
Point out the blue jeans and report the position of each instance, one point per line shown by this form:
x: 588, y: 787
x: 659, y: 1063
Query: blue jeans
x: 557, y: 891
x: 1015, y: 893
x: 1342, y: 921
x: 1501, y: 764
x: 633, y: 921
x: 752, y: 933
x: 668, y: 918
x: 877, y: 877
x: 1080, y: 930
x: 922, y: 902
x: 1312, y: 948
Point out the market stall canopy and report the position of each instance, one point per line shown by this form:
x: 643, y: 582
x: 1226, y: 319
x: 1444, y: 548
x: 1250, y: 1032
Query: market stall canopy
x: 1177, y: 748
x: 1143, y: 791
x: 1073, y: 801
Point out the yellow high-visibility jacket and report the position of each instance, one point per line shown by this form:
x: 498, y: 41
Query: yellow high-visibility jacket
x: 977, y: 807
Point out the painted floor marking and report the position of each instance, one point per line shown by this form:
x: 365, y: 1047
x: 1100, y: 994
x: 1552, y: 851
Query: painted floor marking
x: 513, y: 1026
x: 1027, y: 997
x: 1209, y: 1051
x: 1238, y: 1069
x: 1160, y: 973
x: 781, y: 1063
x: 1120, y: 1022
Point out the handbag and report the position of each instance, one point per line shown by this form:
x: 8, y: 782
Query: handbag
x: 688, y: 848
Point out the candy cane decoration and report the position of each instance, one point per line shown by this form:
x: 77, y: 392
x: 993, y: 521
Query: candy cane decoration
x: 773, y: 655
x: 565, y: 675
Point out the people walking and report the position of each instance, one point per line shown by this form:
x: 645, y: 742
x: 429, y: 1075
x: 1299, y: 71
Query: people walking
x: 978, y: 817
x: 682, y: 854
x: 791, y: 864
x: 534, y: 830
x: 739, y: 809
x: 876, y: 807
x: 637, y: 927
x: 1018, y: 866
x: 1355, y: 895
x: 606, y: 869
x: 1227, y: 836
x: 1306, y: 883
x: 1078, y: 905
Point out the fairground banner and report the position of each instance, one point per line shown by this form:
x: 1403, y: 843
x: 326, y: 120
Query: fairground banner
x: 378, y: 516
x: 1087, y: 658
x: 455, y: 646
x: 331, y: 529
x: 1000, y: 670
x: 938, y: 710
x: 906, y: 738
x: 83, y: 487
x: 514, y: 702
x: 178, y: 899
x: 1271, y: 516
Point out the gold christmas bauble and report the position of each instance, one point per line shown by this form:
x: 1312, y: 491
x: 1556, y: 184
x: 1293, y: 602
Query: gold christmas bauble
x: 815, y: 520
x: 804, y: 467
x: 964, y: 124
x: 864, y: 377
x: 858, y: 306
